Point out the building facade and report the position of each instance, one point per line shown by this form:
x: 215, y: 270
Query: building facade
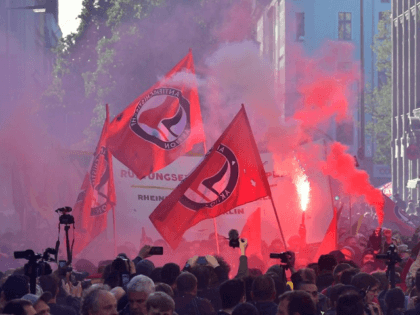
x: 28, y: 31
x: 284, y: 24
x: 405, y: 98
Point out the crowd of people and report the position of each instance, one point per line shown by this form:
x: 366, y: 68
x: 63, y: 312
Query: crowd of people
x: 349, y: 281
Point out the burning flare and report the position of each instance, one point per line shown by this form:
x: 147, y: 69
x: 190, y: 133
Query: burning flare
x: 303, y: 187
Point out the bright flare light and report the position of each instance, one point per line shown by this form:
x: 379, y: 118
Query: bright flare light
x: 303, y: 188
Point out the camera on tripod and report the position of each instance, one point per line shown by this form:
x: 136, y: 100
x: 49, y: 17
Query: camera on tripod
x: 65, y: 218
x: 391, y: 255
x: 33, y: 268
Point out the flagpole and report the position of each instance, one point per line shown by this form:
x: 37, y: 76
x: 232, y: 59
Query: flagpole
x: 115, y: 231
x: 278, y: 222
x: 217, y: 236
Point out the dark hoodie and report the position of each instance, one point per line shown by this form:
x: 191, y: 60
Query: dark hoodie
x: 266, y: 308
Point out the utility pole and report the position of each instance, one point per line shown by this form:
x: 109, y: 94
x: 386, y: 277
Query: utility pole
x: 362, y: 84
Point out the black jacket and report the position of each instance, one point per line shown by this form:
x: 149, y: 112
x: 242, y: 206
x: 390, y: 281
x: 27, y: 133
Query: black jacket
x: 266, y: 308
x: 187, y: 304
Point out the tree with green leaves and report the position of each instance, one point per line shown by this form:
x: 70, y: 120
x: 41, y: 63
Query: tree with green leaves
x: 120, y: 49
x: 379, y: 99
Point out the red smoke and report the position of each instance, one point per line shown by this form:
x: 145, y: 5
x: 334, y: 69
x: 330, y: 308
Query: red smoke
x: 341, y: 166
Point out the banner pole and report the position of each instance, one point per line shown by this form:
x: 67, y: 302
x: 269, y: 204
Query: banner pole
x: 115, y: 231
x: 216, y: 235
x: 278, y: 222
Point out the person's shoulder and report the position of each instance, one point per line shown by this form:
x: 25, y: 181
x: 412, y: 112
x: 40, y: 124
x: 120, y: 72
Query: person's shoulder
x: 57, y: 309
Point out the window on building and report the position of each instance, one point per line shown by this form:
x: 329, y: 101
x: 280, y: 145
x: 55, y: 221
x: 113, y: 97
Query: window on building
x: 300, y: 26
x: 386, y: 1
x: 344, y: 25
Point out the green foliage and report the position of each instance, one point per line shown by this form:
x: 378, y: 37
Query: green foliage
x: 379, y: 100
x: 120, y: 48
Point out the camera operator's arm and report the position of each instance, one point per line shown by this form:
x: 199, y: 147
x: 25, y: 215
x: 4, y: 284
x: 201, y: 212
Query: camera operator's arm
x: 243, y: 259
x: 143, y: 254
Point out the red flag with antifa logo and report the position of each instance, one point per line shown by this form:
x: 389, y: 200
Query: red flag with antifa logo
x: 252, y: 232
x: 97, y: 195
x: 230, y: 175
x: 161, y: 124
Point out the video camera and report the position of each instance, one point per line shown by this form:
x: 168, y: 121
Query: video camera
x: 33, y: 268
x: 65, y: 218
x: 284, y: 257
x: 392, y: 258
x: 391, y: 255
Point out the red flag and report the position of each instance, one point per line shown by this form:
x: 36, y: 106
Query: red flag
x: 396, y: 216
x: 252, y: 232
x: 230, y: 175
x: 161, y: 124
x: 97, y: 195
x: 329, y: 243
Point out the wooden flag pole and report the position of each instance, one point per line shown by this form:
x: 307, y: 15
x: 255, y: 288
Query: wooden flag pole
x: 278, y: 222
x: 216, y: 235
x: 115, y: 231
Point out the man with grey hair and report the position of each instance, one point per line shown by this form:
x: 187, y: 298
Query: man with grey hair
x: 138, y: 290
x: 97, y: 300
x: 160, y: 303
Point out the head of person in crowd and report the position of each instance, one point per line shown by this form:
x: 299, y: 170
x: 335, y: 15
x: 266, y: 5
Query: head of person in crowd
x: 145, y: 267
x: 339, y: 256
x: 334, y: 294
x: 351, y: 241
x: 395, y: 300
x: 138, y: 290
x: 305, y: 274
x: 163, y: 287
x: 263, y: 289
x: 381, y: 277
x: 19, y: 307
x: 160, y: 303
x: 403, y: 251
x: 368, y: 284
x: 169, y: 273
x: 296, y: 303
x: 280, y: 286
x: 98, y: 300
x: 245, y: 309
x: 350, y: 304
x: 155, y: 275
x: 314, y: 267
x: 202, y: 273
x: 118, y: 293
x: 232, y: 292
x: 347, y: 275
x: 49, y: 284
x: 186, y: 283
x: 309, y: 288
x: 368, y: 256
x: 338, y: 270
x: 326, y: 263
x: 14, y: 287
x: 348, y: 253
x: 40, y: 303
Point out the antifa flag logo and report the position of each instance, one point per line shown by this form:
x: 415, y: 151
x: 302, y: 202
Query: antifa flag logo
x: 217, y: 188
x: 162, y: 118
x: 99, y: 177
